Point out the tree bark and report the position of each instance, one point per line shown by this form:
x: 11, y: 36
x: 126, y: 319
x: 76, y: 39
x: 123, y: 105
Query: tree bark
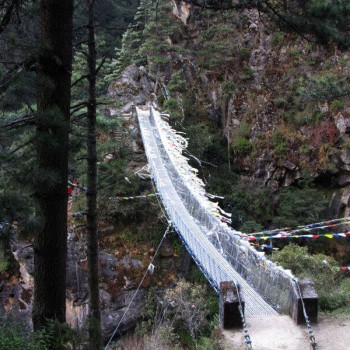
x: 95, y: 341
x: 53, y: 112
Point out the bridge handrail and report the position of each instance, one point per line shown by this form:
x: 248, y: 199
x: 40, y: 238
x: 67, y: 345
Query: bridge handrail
x: 179, y: 217
x: 212, y: 263
x: 271, y: 281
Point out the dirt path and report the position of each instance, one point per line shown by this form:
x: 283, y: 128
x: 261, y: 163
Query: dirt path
x: 333, y: 333
x: 280, y: 333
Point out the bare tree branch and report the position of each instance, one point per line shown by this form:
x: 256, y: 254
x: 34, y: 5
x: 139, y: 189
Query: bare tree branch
x: 7, y: 16
x: 20, y: 122
x: 6, y: 79
x: 83, y: 77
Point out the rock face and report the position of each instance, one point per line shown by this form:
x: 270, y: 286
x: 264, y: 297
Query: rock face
x: 340, y: 203
x: 133, y: 87
x: 290, y: 134
x: 182, y: 10
x: 117, y: 289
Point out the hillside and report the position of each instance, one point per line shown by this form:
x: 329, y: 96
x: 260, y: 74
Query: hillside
x: 263, y: 100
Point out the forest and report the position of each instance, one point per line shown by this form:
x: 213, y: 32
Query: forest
x: 261, y: 90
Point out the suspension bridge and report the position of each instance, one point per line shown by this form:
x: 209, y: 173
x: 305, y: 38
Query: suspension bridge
x: 223, y: 254
x: 218, y: 250
x: 266, y: 292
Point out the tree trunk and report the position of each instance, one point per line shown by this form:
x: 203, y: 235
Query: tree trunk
x: 95, y: 336
x: 53, y: 112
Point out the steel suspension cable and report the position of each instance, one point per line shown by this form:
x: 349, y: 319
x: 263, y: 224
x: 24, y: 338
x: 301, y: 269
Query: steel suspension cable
x: 306, y: 317
x: 247, y: 340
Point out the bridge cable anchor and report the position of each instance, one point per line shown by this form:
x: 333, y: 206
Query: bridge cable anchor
x: 313, y: 342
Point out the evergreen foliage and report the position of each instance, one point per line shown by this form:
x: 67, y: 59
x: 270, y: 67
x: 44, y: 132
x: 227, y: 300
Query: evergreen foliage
x: 159, y: 31
x: 326, y: 87
x: 13, y: 336
x: 217, y: 40
x: 112, y: 18
x: 298, y: 206
x: 134, y: 36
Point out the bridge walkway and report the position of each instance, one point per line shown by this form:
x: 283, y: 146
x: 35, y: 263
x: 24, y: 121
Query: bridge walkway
x: 207, y: 257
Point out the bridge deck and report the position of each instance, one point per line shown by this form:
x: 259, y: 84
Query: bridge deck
x: 212, y: 263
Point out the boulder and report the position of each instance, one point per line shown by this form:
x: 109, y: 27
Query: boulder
x: 133, y: 87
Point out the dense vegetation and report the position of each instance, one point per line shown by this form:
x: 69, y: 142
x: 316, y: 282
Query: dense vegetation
x: 219, y: 60
x: 275, y: 111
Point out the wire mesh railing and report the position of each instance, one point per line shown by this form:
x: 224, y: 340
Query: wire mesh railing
x: 219, y: 250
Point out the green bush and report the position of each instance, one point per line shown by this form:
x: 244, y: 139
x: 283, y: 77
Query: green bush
x: 278, y: 38
x: 242, y: 146
x: 251, y: 226
x: 228, y: 88
x: 200, y: 139
x: 305, y: 149
x: 308, y: 114
x: 177, y: 82
x: 280, y: 102
x: 244, y: 130
x: 336, y: 106
x: 294, y: 52
x: 298, y: 260
x: 335, y: 299
x: 244, y: 53
x: 298, y: 206
x: 279, y: 142
x: 280, y: 148
x: 173, y: 107
x: 332, y: 289
x: 248, y: 73
x: 4, y: 265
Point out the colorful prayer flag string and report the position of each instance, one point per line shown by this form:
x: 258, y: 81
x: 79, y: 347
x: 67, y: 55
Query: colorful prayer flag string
x: 286, y: 235
x: 306, y: 228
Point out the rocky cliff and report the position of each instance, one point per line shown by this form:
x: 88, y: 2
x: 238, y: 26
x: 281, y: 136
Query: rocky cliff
x: 281, y: 101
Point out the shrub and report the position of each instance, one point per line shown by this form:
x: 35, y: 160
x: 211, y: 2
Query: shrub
x: 280, y: 102
x: 13, y: 336
x: 251, y: 226
x: 248, y: 73
x: 332, y: 290
x: 332, y: 300
x: 277, y: 38
x: 294, y: 52
x: 242, y: 146
x: 173, y: 107
x: 336, y: 106
x: 299, y: 205
x: 4, y: 265
x: 244, y: 130
x: 244, y: 53
x: 177, y: 82
x: 279, y: 142
x: 308, y: 118
x: 305, y: 149
x: 200, y: 139
x: 228, y: 88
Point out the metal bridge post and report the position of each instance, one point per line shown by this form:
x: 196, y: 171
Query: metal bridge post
x: 230, y: 301
x: 304, y: 300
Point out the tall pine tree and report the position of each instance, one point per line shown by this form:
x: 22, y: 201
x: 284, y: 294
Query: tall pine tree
x: 53, y: 114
